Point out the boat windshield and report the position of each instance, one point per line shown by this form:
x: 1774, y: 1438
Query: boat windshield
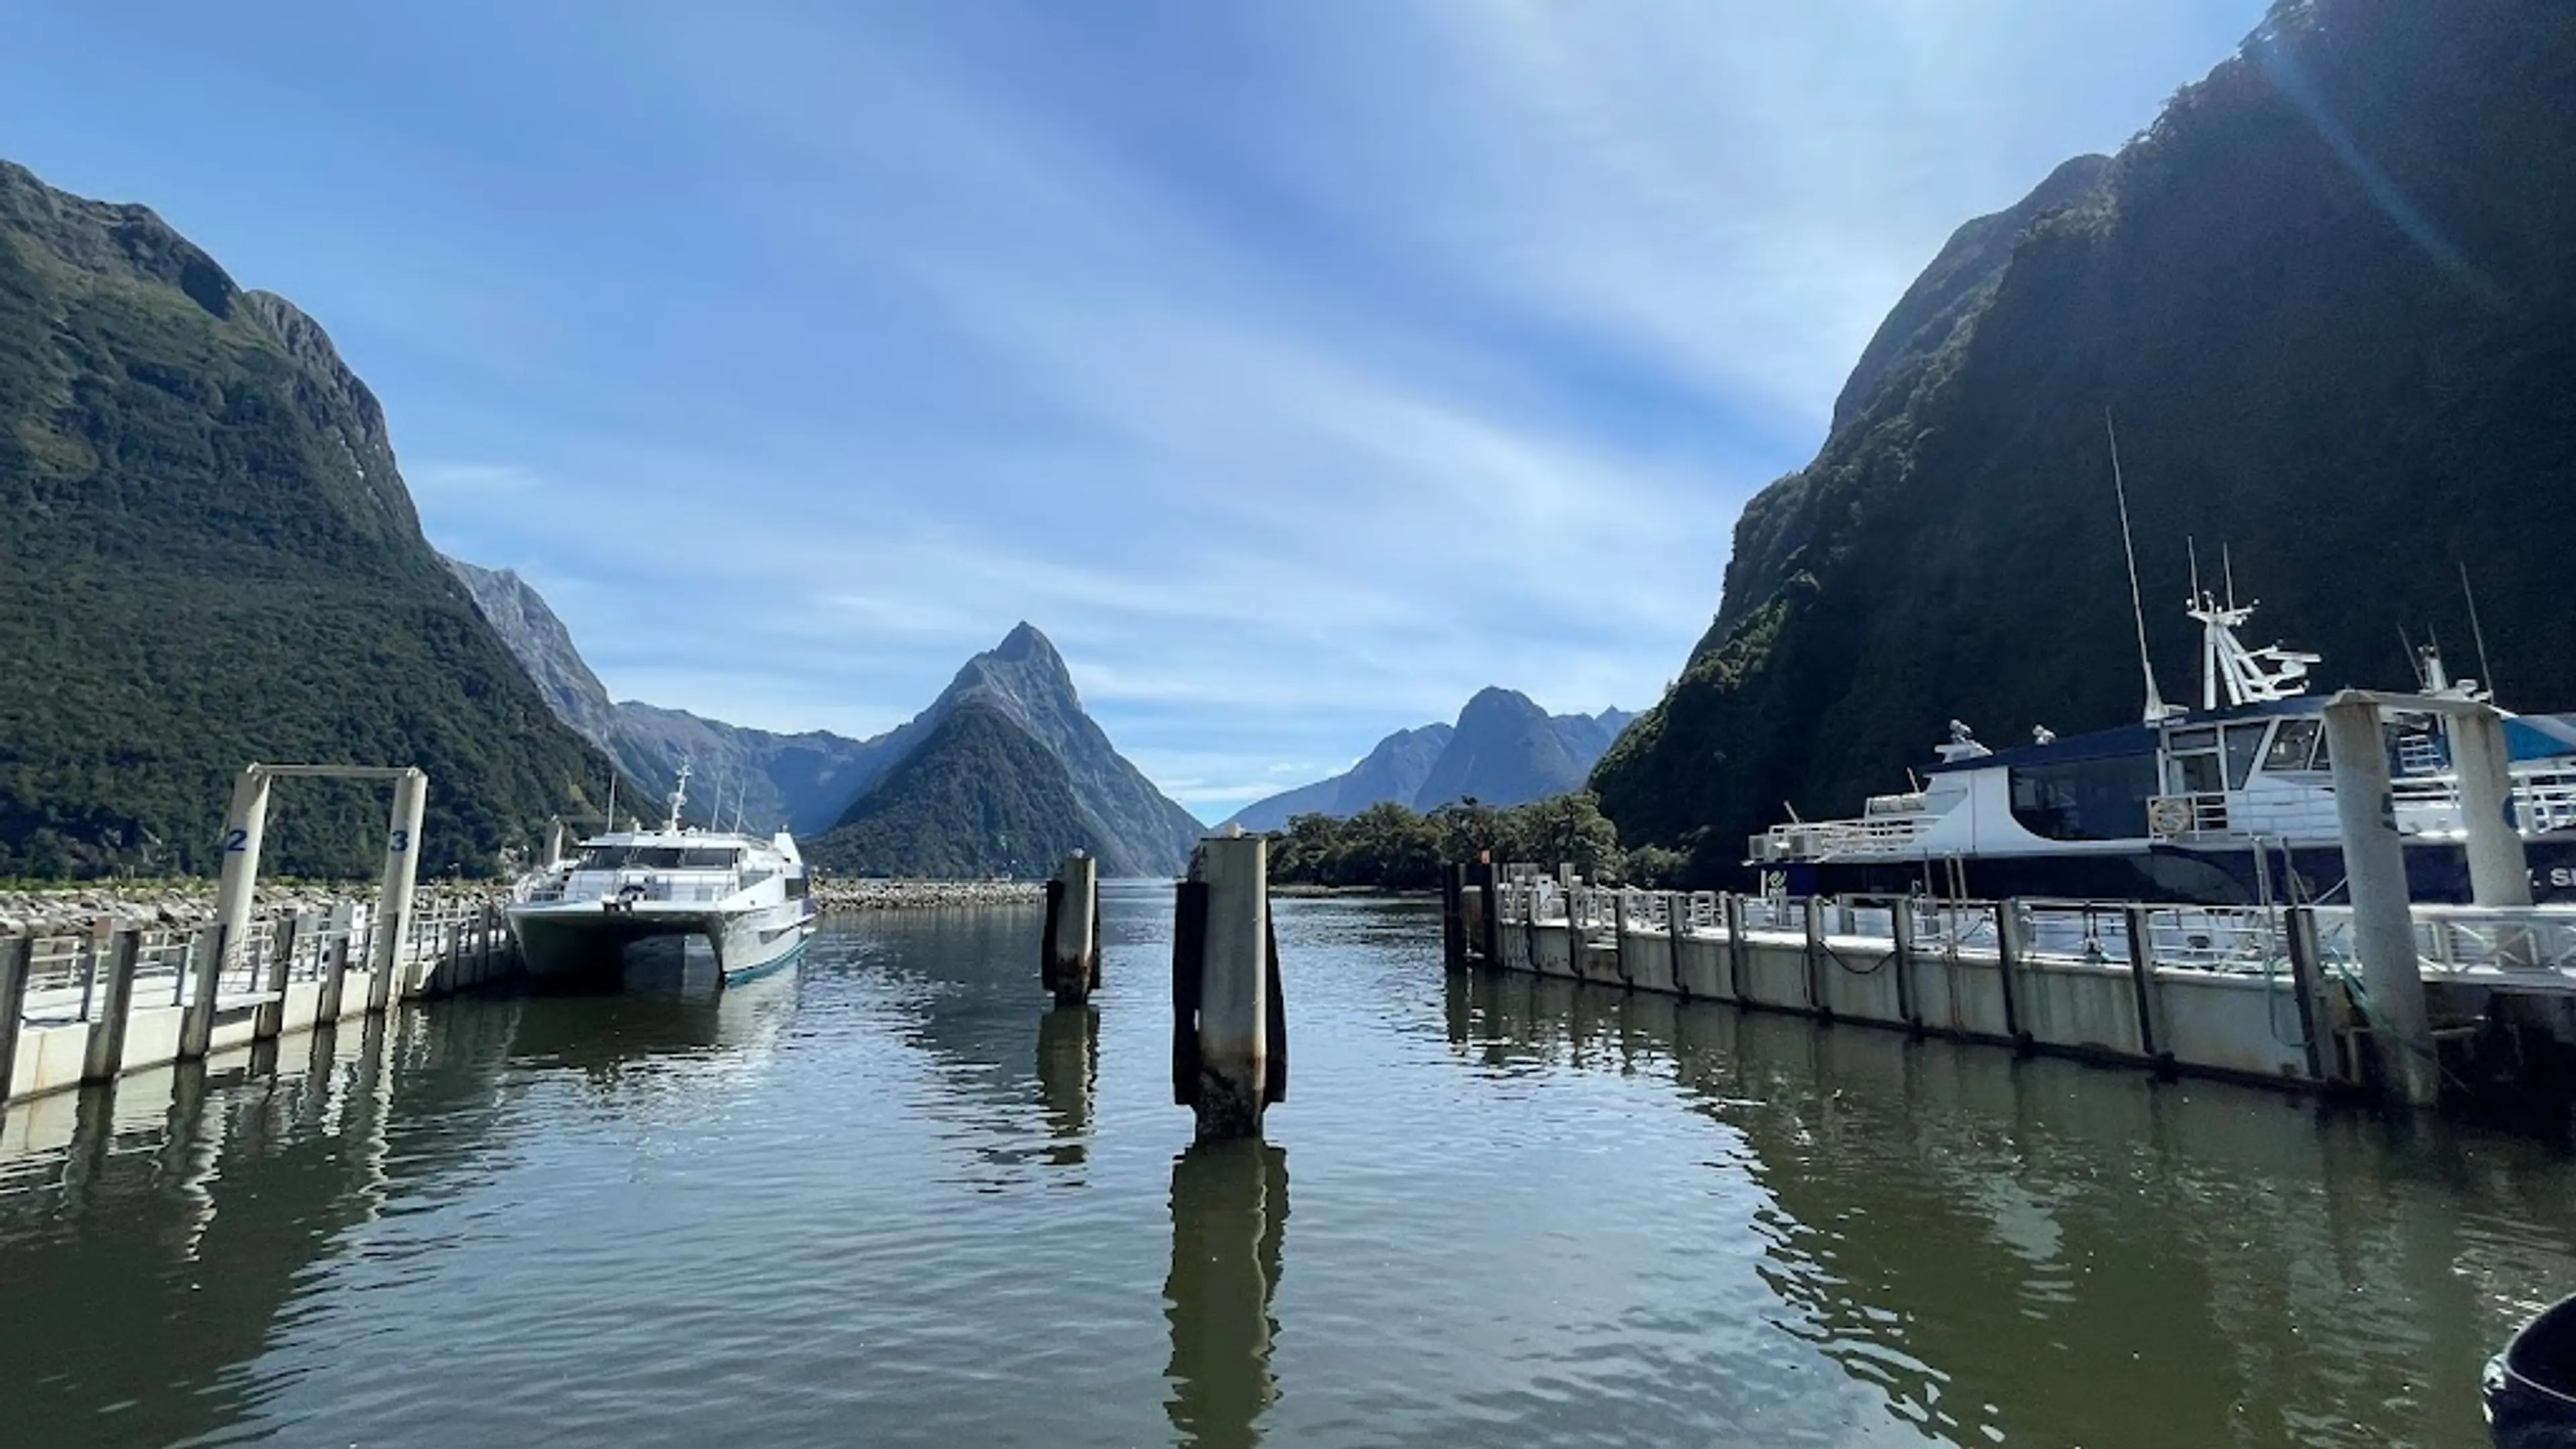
x: 658, y: 857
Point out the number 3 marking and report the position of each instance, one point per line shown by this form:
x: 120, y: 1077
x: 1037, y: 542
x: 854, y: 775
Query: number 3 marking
x: 400, y: 843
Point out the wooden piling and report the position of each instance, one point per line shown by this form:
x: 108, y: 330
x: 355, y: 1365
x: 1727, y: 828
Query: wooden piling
x: 1453, y: 922
x: 17, y: 963
x: 1731, y: 907
x: 103, y: 1053
x: 1069, y: 954
x: 335, y: 981
x: 1677, y: 906
x: 1909, y: 1001
x: 1489, y: 882
x: 270, y: 1019
x: 1237, y: 992
x: 197, y: 1028
x: 2008, y: 969
x: 2142, y: 978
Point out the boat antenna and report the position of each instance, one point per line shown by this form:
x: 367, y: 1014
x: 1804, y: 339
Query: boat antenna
x: 612, y: 796
x: 2227, y: 565
x: 2486, y: 671
x: 2157, y: 709
x: 2406, y: 647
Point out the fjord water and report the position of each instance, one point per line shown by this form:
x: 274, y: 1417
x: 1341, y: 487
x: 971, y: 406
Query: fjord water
x: 892, y: 1196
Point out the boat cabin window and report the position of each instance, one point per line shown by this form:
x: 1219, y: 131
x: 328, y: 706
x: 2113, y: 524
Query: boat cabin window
x: 2100, y: 799
x: 657, y: 857
x: 2192, y: 762
x: 2295, y: 744
x: 2244, y: 745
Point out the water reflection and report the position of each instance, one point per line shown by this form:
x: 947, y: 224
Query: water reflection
x: 1229, y: 1218
x: 2043, y: 1252
x: 1068, y: 1074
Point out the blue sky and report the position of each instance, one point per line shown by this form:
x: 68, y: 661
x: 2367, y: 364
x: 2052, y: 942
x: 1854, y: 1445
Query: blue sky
x: 1300, y: 368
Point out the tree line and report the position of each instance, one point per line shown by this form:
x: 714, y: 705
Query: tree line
x: 1391, y: 847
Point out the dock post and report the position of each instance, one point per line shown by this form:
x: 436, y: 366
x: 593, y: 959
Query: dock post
x: 103, y: 1054
x: 2301, y: 922
x: 1453, y: 917
x: 1731, y: 906
x: 270, y: 1019
x: 206, y: 950
x: 1815, y: 922
x: 393, y: 900
x: 17, y: 961
x: 1677, y: 905
x: 335, y: 981
x: 2142, y: 981
x: 1228, y: 1021
x: 2008, y: 946
x: 2499, y: 870
x: 1900, y: 927
x: 1489, y: 885
x: 1070, y: 961
x: 2383, y: 925
x: 245, y: 827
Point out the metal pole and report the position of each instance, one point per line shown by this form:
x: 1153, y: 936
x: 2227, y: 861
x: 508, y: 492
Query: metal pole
x: 1677, y: 932
x: 1732, y: 905
x: 270, y: 1020
x: 2142, y: 981
x: 1900, y: 918
x: 402, y: 872
x: 2008, y: 968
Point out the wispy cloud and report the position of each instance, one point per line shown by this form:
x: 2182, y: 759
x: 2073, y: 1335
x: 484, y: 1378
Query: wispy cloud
x: 1300, y: 369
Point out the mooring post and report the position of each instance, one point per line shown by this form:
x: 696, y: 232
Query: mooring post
x: 1489, y: 887
x: 103, y: 1054
x: 2383, y: 921
x: 393, y: 899
x: 2008, y: 945
x: 270, y: 1019
x: 245, y: 827
x: 2499, y: 868
x: 1909, y: 1000
x: 335, y: 980
x: 1731, y: 906
x: 1069, y: 961
x: 1238, y: 1039
x: 206, y: 950
x: 17, y: 963
x: 1816, y: 988
x: 2301, y: 924
x: 1453, y: 922
x: 1677, y: 909
x: 2142, y: 980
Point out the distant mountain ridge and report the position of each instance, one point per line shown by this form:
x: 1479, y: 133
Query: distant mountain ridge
x: 818, y: 783
x: 1504, y: 750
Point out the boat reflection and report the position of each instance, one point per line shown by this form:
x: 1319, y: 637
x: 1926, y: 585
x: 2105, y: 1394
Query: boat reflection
x: 1229, y: 1220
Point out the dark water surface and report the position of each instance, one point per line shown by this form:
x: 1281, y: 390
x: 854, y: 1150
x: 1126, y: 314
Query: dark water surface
x: 892, y: 1197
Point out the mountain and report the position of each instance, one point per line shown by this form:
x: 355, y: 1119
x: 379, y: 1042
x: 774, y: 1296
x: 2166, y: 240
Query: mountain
x: 1394, y: 770
x: 2325, y: 296
x: 1504, y: 750
x: 817, y: 782
x: 976, y: 795
x: 1025, y: 680
x: 803, y: 781
x: 210, y: 558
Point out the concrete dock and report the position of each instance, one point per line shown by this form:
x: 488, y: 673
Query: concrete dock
x: 2266, y: 995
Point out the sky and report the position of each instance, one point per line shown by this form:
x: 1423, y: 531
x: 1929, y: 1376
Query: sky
x: 1298, y: 368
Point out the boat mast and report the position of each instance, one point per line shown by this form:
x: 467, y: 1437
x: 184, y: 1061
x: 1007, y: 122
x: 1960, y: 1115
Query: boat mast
x: 2157, y: 710
x: 679, y: 797
x: 2486, y: 671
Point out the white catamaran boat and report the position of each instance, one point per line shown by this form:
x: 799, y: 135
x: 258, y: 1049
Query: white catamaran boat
x: 2230, y: 803
x: 676, y: 890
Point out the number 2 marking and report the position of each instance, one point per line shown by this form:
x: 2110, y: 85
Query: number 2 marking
x: 235, y: 840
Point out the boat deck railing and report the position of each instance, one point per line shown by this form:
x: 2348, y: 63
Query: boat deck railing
x: 2531, y: 944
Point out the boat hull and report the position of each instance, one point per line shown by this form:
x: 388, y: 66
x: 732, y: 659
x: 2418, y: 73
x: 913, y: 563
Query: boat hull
x: 586, y: 943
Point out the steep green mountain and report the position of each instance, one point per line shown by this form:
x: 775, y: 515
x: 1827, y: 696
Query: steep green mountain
x: 976, y: 795
x: 2327, y: 297
x: 1141, y: 832
x: 1506, y: 750
x: 210, y: 559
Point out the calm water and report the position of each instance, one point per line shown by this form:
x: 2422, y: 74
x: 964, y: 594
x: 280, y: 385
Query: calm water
x: 893, y: 1197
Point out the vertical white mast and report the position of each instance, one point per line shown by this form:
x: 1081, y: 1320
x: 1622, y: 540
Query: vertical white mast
x: 2157, y: 710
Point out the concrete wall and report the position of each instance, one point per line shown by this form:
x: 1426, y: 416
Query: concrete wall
x: 2206, y: 1022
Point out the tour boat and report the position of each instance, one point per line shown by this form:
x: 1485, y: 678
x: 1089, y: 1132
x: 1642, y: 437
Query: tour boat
x: 626, y: 896
x: 2228, y: 804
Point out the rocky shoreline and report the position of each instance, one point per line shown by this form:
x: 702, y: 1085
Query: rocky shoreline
x: 836, y: 897
x: 72, y: 906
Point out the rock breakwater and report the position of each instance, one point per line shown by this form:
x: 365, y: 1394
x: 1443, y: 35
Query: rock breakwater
x: 845, y: 895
